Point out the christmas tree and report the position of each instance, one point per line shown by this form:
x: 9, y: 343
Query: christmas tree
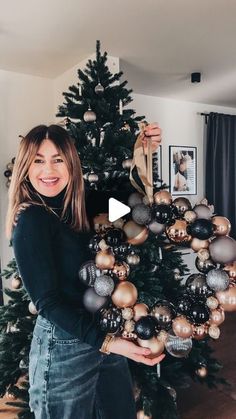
x: 96, y: 113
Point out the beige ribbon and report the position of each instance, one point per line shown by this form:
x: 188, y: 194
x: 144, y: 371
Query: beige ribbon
x: 143, y: 164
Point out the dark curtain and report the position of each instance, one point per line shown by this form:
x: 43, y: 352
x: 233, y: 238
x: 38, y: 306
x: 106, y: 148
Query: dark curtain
x: 221, y: 166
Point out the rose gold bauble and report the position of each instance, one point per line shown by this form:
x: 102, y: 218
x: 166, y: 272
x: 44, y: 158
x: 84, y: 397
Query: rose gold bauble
x: 217, y: 316
x: 190, y: 216
x: 227, y: 298
x: 200, y: 332
x: 141, y: 415
x: 182, y: 205
x: 197, y: 244
x: 135, y: 233
x: 125, y: 294
x: 182, y: 327
x: 16, y: 283
x: 162, y: 197
x: 231, y: 270
x: 105, y: 259
x: 177, y: 232
x: 121, y: 270
x: 154, y: 344
x: 140, y: 310
x: 202, y: 372
x: 101, y: 222
x: 221, y: 225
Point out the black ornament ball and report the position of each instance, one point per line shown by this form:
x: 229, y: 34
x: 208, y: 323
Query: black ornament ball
x: 145, y: 327
x: 199, y: 313
x: 164, y: 312
x: 88, y: 273
x: 94, y: 243
x: 184, y: 304
x: 141, y: 214
x: 122, y: 250
x: 111, y: 320
x: 163, y: 214
x: 114, y: 237
x: 197, y: 286
x: 201, y: 228
x: 204, y: 266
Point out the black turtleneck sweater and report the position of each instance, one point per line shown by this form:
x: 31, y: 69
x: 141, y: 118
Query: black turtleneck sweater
x: 49, y: 254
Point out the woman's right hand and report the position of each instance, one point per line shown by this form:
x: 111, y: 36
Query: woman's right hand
x: 128, y: 349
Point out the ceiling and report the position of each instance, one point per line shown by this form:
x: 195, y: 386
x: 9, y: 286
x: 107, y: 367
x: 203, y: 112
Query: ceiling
x: 159, y: 42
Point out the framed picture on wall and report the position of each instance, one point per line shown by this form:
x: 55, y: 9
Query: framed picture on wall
x: 157, y: 167
x: 183, y: 170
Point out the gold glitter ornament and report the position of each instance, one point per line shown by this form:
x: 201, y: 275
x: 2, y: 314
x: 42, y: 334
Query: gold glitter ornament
x: 203, y: 254
x: 129, y: 326
x: 127, y: 313
x: 214, y: 332
x: 212, y: 303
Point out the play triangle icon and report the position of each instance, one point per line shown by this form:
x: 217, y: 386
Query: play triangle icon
x: 116, y: 210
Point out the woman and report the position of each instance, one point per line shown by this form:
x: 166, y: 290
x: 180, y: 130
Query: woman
x: 69, y: 376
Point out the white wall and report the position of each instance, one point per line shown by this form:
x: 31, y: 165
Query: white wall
x: 181, y: 125
x: 25, y: 102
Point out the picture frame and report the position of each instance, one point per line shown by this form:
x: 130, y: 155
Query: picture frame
x: 183, y: 170
x: 157, y: 167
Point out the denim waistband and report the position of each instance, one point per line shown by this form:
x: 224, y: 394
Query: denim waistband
x: 41, y: 321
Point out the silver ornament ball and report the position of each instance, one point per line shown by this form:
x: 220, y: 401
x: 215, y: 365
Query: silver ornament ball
x: 217, y: 280
x: 104, y: 285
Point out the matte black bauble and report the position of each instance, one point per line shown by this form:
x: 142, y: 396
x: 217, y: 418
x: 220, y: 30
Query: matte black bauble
x: 199, y: 313
x: 162, y: 213
x: 114, y: 237
x: 145, y: 327
x: 201, y: 228
x: 111, y: 320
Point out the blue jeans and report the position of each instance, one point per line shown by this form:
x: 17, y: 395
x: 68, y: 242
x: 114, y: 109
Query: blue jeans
x: 71, y: 380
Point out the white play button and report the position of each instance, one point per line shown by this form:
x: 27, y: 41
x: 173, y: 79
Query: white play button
x: 116, y: 210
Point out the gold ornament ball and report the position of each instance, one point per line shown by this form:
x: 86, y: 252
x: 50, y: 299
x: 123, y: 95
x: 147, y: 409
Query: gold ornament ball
x: 127, y: 313
x: 197, y: 244
x: 202, y: 372
x: 119, y: 223
x: 227, y: 298
x: 217, y: 317
x: 221, y: 225
x: 214, y: 332
x: 121, y: 270
x: 200, y: 331
x: 101, y: 223
x: 16, y: 282
x: 129, y: 326
x: 162, y: 336
x: 140, y: 310
x: 177, y: 232
x: 203, y: 254
x: 154, y: 344
x: 105, y: 259
x: 212, y: 303
x: 162, y: 197
x: 135, y: 233
x: 231, y: 270
x: 32, y: 308
x: 125, y: 295
x: 141, y: 415
x: 182, y: 327
x: 190, y: 216
x: 133, y: 259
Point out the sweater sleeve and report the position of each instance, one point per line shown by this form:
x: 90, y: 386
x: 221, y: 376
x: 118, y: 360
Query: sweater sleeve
x: 33, y: 248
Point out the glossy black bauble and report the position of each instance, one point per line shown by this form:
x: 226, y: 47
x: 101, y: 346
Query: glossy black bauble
x: 145, y: 327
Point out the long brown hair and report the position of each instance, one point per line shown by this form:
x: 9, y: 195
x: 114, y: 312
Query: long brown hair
x: 21, y: 193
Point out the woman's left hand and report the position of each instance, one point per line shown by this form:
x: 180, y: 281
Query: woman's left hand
x: 152, y: 132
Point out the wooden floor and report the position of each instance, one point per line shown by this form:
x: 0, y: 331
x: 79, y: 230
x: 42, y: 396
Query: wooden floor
x: 198, y: 402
